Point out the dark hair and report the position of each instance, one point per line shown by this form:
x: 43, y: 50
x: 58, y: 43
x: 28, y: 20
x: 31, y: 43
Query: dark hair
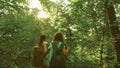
x: 58, y: 37
x: 41, y: 40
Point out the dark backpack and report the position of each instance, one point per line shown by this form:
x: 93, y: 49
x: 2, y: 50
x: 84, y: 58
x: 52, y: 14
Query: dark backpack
x: 57, y: 57
x: 39, y: 56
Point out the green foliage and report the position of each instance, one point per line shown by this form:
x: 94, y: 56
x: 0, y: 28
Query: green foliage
x: 18, y: 36
x: 85, y: 26
x: 83, y: 23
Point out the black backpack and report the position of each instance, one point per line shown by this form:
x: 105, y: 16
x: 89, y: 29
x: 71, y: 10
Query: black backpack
x: 39, y: 56
x: 57, y: 57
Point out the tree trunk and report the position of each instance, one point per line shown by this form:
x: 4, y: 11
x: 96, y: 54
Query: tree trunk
x: 114, y: 29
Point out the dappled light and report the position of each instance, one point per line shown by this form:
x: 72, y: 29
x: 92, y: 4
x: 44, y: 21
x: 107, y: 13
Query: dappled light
x: 61, y: 1
x: 86, y: 31
x: 42, y: 14
x: 36, y: 4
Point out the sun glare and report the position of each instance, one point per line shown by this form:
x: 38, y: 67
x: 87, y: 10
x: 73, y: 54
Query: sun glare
x: 42, y: 14
x: 58, y: 1
x: 36, y: 4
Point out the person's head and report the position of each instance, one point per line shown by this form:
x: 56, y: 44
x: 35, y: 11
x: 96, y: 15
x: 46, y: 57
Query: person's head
x: 58, y: 37
x: 42, y: 39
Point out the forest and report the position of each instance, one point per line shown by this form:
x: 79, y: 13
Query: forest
x: 91, y: 29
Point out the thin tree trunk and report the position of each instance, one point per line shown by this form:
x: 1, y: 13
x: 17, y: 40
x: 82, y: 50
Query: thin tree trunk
x: 114, y: 29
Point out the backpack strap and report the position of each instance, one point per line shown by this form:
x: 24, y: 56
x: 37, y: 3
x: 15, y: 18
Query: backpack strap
x: 51, y: 51
x: 59, y: 44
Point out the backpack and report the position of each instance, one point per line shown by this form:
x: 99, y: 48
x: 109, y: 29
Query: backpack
x: 38, y: 56
x: 56, y: 56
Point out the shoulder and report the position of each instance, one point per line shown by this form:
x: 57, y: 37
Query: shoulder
x: 45, y: 43
x: 65, y: 46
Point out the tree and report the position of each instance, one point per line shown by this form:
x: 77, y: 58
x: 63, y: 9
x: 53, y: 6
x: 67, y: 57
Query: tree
x: 114, y: 29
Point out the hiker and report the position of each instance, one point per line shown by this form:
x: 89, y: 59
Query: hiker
x: 58, y: 52
x: 39, y: 54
